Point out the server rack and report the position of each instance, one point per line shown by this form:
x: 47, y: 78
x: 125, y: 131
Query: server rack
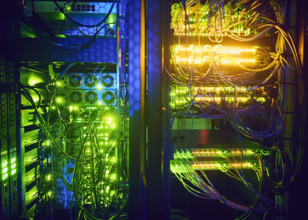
x: 158, y: 137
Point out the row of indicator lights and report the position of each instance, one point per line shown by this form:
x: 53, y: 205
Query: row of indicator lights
x: 220, y: 99
x: 212, y: 49
x: 185, y: 90
x: 229, y: 99
x: 5, y: 172
x: 201, y: 20
x: 199, y: 11
x: 199, y: 34
x: 181, y: 28
x: 200, y: 60
x: 213, y: 165
x: 212, y: 152
x: 186, y: 167
x: 240, y: 31
x: 217, y: 152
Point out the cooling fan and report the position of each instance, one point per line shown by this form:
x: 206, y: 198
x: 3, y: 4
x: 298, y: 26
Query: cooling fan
x: 75, y: 80
x: 91, y: 97
x: 107, y: 80
x: 108, y: 97
x: 76, y: 97
x: 91, y: 80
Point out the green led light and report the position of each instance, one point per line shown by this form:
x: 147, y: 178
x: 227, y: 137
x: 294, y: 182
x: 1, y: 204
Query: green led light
x: 5, y: 176
x: 113, y: 160
x: 13, y: 172
x: 4, y: 170
x: 61, y: 35
x: 59, y: 100
x: 48, y: 178
x: 4, y: 164
x: 67, y: 8
x: 33, y: 80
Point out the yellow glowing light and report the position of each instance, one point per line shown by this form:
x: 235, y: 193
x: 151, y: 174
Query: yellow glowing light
x: 219, y: 99
x: 35, y: 99
x: 184, y: 90
x: 207, y: 49
x: 111, y: 20
x: 58, y: 100
x: 215, y: 166
x: 33, y: 80
x: 218, y: 152
x: 225, y: 55
x: 208, y: 152
x: 206, y: 59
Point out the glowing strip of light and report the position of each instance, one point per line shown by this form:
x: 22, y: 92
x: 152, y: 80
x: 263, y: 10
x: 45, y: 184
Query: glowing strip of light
x: 213, y: 49
x: 206, y: 59
x: 239, y: 32
x: 218, y: 152
x: 221, y: 166
x: 219, y: 100
x: 198, y: 34
x: 184, y: 90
